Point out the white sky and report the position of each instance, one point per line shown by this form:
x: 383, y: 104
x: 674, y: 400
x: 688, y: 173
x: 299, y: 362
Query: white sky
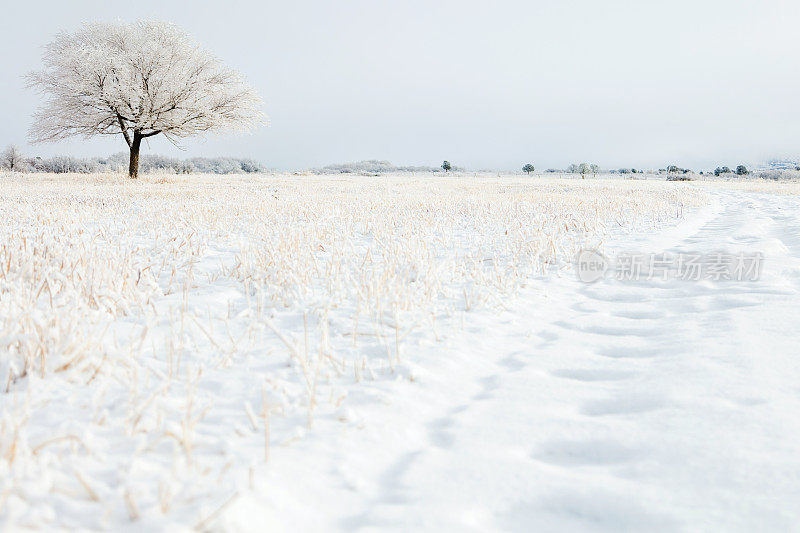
x: 490, y: 84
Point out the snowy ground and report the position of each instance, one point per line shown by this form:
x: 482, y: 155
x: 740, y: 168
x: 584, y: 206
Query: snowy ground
x: 465, y: 380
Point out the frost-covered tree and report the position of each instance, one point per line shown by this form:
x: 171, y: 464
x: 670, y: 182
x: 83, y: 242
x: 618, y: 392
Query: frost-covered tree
x: 137, y: 79
x: 741, y: 170
x: 528, y: 168
x: 583, y: 169
x: 12, y: 158
x: 446, y: 166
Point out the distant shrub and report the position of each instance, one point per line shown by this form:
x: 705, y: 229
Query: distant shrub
x: 250, y: 166
x: 63, y: 164
x: 674, y: 169
x: 217, y: 165
x: 721, y: 170
x: 185, y: 167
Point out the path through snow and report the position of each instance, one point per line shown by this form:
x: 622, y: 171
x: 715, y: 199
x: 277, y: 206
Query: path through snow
x: 643, y: 405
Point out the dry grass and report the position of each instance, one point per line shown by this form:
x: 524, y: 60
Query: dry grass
x: 156, y: 335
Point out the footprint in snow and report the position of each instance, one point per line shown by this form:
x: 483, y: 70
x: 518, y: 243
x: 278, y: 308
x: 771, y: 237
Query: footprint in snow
x: 624, y: 405
x: 585, y: 452
x: 630, y: 352
x: 490, y: 384
x: 512, y: 363
x: 592, y: 374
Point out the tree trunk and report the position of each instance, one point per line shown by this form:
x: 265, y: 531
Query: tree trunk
x: 133, y: 167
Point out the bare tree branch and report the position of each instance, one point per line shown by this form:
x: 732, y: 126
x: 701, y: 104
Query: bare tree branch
x: 124, y: 129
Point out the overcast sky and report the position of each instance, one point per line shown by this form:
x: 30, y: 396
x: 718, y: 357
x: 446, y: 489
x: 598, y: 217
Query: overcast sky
x: 490, y: 84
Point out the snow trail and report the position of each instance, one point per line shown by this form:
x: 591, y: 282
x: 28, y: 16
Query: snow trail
x: 658, y: 405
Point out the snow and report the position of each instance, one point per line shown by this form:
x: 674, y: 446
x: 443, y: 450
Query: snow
x: 616, y: 406
x: 491, y: 399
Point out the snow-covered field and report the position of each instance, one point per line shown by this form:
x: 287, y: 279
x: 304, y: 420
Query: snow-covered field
x: 320, y: 353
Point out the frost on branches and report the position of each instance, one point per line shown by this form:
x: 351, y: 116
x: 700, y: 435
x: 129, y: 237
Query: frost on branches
x: 138, y: 79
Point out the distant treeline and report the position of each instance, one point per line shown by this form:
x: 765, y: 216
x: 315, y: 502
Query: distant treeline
x: 374, y: 167
x: 148, y: 163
